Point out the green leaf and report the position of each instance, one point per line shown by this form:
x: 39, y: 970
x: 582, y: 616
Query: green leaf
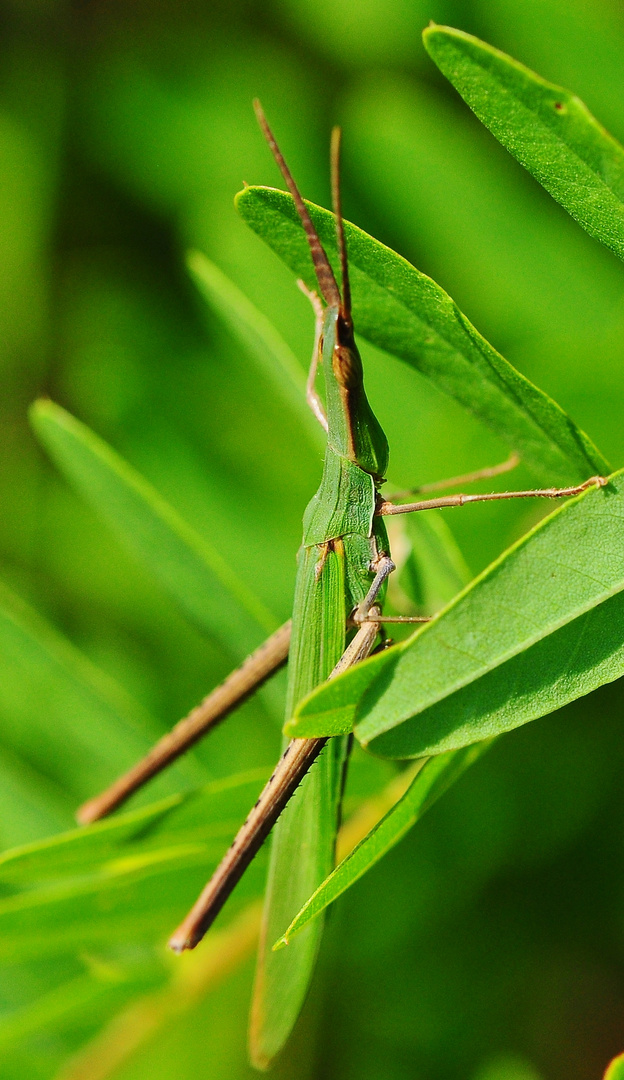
x: 571, y: 662
x: 467, y: 675
x: 139, y: 990
x: 548, y: 129
x: 259, y: 338
x: 403, y: 311
x: 192, y: 569
x: 126, y: 879
x: 433, y: 779
x: 615, y: 1070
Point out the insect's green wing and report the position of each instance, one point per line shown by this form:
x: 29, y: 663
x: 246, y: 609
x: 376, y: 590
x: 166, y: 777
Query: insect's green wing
x: 302, y: 852
x: 331, y: 579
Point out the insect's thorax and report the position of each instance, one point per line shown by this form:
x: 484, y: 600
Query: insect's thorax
x: 343, y: 508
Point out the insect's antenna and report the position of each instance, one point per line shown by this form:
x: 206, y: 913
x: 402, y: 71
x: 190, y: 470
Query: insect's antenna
x: 324, y: 272
x: 337, y: 205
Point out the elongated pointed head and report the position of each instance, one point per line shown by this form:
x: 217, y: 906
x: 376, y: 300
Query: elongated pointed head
x: 354, y: 431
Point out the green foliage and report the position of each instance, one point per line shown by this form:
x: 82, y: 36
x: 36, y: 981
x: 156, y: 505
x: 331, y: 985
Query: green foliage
x: 122, y: 880
x: 258, y: 337
x: 123, y: 136
x: 73, y: 725
x: 93, y: 907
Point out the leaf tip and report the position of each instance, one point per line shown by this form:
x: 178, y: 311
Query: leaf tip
x: 281, y: 943
x: 291, y: 728
x: 39, y: 405
x: 241, y: 196
x: 258, y: 1059
x: 432, y: 29
x: 42, y: 409
x: 436, y: 33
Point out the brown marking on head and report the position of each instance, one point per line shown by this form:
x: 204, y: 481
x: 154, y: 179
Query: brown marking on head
x: 346, y: 360
x: 347, y: 368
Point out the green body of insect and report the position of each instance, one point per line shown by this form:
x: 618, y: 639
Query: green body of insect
x: 342, y: 543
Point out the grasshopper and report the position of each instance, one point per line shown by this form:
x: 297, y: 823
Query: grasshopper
x: 343, y: 566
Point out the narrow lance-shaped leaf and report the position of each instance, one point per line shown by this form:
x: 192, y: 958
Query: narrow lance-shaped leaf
x: 403, y: 311
x: 583, y: 655
x: 259, y: 338
x: 539, y: 596
x: 548, y: 129
x: 307, y: 833
x: 436, y: 776
x: 194, y: 571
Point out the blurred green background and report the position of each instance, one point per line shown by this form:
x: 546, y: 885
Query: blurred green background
x: 490, y: 944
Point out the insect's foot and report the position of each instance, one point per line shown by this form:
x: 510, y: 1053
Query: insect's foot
x: 178, y: 946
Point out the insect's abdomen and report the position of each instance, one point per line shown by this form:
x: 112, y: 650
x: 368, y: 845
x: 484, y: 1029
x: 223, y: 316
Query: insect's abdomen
x: 319, y: 619
x: 308, y: 825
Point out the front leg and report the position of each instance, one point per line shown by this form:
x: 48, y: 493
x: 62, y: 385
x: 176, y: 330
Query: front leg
x: 386, y: 508
x: 365, y: 612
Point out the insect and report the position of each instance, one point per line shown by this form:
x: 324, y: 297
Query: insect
x: 343, y: 566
